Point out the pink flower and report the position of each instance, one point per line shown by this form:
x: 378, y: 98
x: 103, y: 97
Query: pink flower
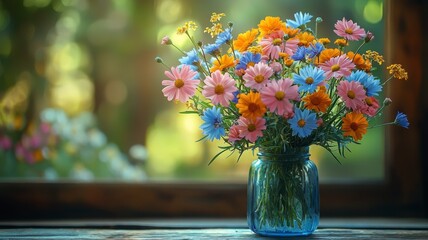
x: 274, y: 44
x: 251, y: 129
x: 370, y: 106
x: 182, y: 85
x: 352, y: 93
x: 337, y: 67
x: 219, y: 88
x: 257, y: 76
x: 349, y: 30
x: 276, y: 66
x: 5, y: 143
x: 277, y: 95
x: 166, y: 41
x: 234, y: 134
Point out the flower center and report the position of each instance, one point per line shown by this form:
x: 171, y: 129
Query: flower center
x: 309, y: 80
x: 251, y: 127
x: 277, y: 41
x: 252, y: 107
x: 178, y: 83
x: 279, y: 95
x: 219, y: 89
x: 349, y: 31
x: 250, y: 64
x: 354, y: 126
x: 335, y: 68
x: 315, y: 101
x: 369, y: 102
x: 301, y: 123
x: 259, y: 78
x: 351, y: 94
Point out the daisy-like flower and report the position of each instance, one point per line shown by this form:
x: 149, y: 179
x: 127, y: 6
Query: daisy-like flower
x: 256, y: 77
x: 349, y: 30
x: 309, y: 78
x: 327, y: 54
x: 305, y: 39
x: 244, y: 40
x: 212, y: 49
x: 315, y: 50
x: 224, y: 62
x: 318, y: 101
x: 181, y: 85
x: 277, y: 95
x: 191, y: 59
x: 354, y: 124
x: 234, y: 134
x: 212, y: 126
x: 224, y: 37
x: 303, y: 122
x: 270, y: 25
x: 299, y: 20
x: 219, y: 88
x: 251, y: 129
x: 371, y: 85
x: 338, y: 67
x: 250, y: 105
x: 352, y: 93
x: 401, y: 120
x: 273, y: 45
x: 300, y: 54
x: 370, y: 107
x: 360, y: 62
x: 248, y: 59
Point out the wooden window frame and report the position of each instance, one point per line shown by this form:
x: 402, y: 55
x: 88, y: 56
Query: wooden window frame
x: 402, y: 193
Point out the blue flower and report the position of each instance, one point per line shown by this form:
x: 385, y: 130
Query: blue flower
x: 224, y: 37
x: 211, y: 49
x: 315, y: 50
x: 300, y: 54
x: 190, y: 59
x: 309, y: 78
x: 235, y: 96
x: 247, y: 58
x: 212, y: 127
x: 401, y: 120
x: 300, y: 19
x: 370, y: 83
x: 303, y: 122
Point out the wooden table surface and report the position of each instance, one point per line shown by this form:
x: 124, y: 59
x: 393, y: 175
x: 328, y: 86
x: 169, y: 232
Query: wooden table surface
x: 207, y: 229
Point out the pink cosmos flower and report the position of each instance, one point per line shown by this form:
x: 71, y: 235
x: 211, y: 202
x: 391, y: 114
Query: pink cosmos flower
x: 234, y: 134
x: 274, y: 44
x: 337, y: 67
x: 276, y: 66
x: 370, y: 106
x: 277, y: 95
x: 251, y: 129
x: 257, y: 76
x: 352, y: 93
x: 349, y: 30
x: 182, y: 85
x: 219, y: 88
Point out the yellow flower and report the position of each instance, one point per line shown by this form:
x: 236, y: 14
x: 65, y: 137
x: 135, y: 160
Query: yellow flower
x: 224, y: 62
x: 341, y: 42
x: 305, y: 39
x: 215, y: 29
x: 374, y: 56
x: 244, y: 40
x: 251, y: 106
x: 397, y: 71
x: 190, y: 25
x: 354, y: 125
x: 215, y: 17
x: 317, y: 101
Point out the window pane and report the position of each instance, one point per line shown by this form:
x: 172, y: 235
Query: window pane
x: 87, y: 69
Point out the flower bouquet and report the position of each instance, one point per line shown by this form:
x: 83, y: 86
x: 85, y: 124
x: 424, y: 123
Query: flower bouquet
x: 280, y: 88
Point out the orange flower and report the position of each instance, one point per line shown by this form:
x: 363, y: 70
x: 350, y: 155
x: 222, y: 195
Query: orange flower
x: 224, y: 62
x: 291, y: 32
x: 324, y: 41
x: 359, y: 61
x: 341, y: 42
x: 251, y: 106
x: 305, y: 39
x: 244, y: 40
x: 270, y: 25
x: 354, y: 125
x: 317, y: 101
x: 326, y: 54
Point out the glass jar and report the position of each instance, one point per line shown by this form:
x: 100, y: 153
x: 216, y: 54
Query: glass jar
x: 283, y: 194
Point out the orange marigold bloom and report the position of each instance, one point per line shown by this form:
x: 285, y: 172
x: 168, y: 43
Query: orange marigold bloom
x: 244, y: 40
x: 317, y: 101
x: 324, y: 41
x: 326, y: 54
x: 224, y: 62
x: 291, y: 32
x: 270, y: 25
x: 305, y: 39
x: 251, y: 106
x: 359, y: 61
x: 341, y: 42
x: 354, y: 125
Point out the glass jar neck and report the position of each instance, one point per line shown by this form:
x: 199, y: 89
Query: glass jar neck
x: 290, y: 154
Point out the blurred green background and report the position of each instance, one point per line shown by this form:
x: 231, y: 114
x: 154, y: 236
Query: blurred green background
x: 86, y: 70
